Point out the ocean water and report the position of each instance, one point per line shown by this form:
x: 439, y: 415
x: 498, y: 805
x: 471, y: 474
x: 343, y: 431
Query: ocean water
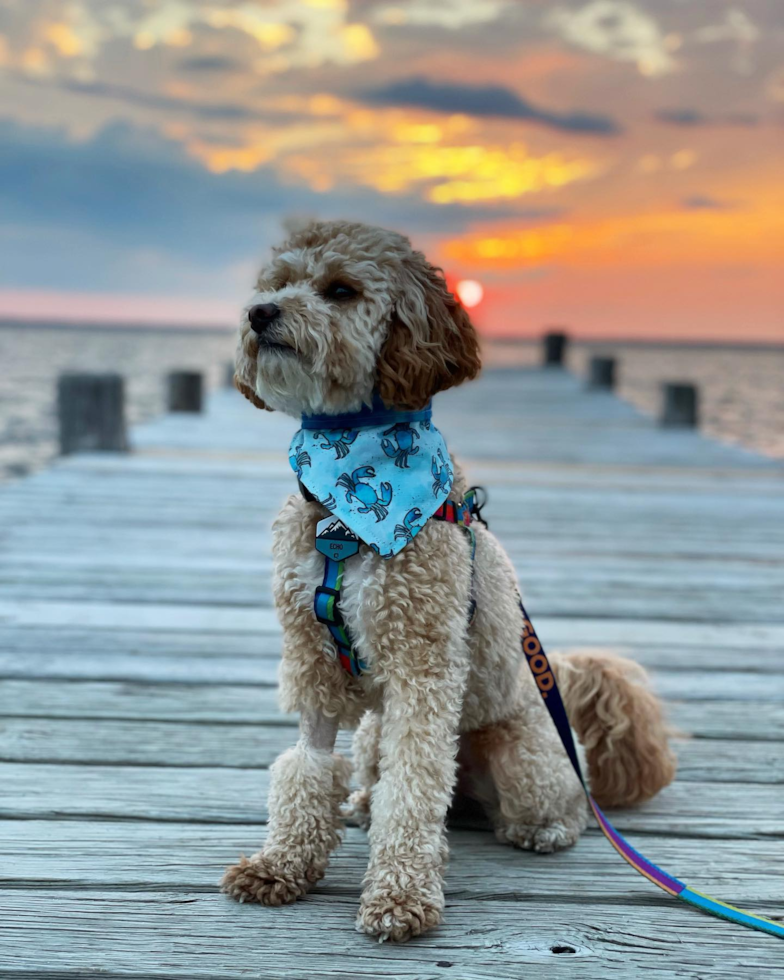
x: 32, y: 358
x: 741, y: 388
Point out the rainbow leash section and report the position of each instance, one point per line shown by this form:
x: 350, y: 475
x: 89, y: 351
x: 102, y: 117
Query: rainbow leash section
x: 545, y: 681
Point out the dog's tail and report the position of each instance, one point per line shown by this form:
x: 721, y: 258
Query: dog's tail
x: 620, y: 724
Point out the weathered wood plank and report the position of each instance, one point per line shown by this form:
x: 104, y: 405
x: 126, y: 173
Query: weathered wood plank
x: 80, y: 742
x: 109, y: 641
x: 736, y: 592
x: 130, y: 701
x: 122, y: 615
x: 677, y: 653
x: 561, y: 631
x: 219, y: 795
x: 207, y: 470
x: 78, y: 933
x: 632, y: 495
x: 44, y: 569
x: 527, y: 502
x: 244, y: 704
x: 258, y: 671
x: 661, y: 531
x: 681, y: 685
x: 151, y: 466
x: 173, y: 857
x: 109, y: 742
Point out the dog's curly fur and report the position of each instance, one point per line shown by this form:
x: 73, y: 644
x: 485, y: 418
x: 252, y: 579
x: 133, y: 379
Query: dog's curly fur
x: 439, y: 696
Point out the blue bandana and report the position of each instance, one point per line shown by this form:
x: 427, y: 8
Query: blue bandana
x: 383, y: 473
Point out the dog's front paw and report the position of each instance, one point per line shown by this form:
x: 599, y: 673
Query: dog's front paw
x: 396, y: 914
x: 262, y: 878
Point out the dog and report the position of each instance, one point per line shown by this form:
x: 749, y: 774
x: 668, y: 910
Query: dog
x: 343, y: 311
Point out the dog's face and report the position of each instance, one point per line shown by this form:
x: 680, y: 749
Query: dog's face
x: 343, y: 309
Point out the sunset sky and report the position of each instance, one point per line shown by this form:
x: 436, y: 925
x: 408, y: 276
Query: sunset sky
x: 614, y: 166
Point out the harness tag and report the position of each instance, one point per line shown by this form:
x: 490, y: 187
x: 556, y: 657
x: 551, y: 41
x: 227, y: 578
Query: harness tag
x: 334, y: 540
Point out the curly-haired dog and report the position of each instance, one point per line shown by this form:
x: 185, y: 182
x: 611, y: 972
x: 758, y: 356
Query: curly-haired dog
x: 342, y: 311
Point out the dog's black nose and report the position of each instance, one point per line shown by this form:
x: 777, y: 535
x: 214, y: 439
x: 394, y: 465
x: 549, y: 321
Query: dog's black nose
x: 262, y: 315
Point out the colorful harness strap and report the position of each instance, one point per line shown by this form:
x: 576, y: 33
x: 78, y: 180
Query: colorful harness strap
x: 545, y: 681
x: 327, y: 612
x: 325, y: 604
x: 461, y: 514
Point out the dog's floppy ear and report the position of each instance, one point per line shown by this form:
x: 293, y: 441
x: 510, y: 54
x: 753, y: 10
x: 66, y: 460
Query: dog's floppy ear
x: 250, y: 394
x: 245, y: 370
x: 431, y: 344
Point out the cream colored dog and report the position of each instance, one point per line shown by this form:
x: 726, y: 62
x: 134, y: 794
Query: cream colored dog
x: 341, y: 310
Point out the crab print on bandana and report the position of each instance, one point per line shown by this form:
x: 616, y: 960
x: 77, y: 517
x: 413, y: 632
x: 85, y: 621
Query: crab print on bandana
x: 383, y: 473
x: 297, y: 456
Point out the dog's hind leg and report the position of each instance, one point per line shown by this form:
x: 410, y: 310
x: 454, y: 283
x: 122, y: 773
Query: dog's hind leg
x: 308, y: 786
x: 365, y: 751
x: 533, y: 797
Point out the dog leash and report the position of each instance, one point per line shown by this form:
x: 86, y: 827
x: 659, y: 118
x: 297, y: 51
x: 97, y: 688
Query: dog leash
x: 548, y: 688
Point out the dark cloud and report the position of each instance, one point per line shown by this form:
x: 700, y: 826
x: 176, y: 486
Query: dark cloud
x: 694, y: 117
x: 486, y: 100
x: 529, y: 214
x: 212, y: 111
x: 741, y: 119
x: 71, y: 210
x: 226, y: 111
x: 130, y: 185
x: 209, y: 64
x: 703, y: 202
x: 681, y: 117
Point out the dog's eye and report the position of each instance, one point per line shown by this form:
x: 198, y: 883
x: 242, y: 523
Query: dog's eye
x: 339, y: 290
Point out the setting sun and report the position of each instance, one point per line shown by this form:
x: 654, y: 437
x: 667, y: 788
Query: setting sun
x: 470, y: 292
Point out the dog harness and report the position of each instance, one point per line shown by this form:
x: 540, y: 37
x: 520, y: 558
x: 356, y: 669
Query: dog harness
x: 327, y: 601
x: 376, y: 432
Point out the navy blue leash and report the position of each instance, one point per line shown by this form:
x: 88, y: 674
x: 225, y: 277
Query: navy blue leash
x: 548, y: 688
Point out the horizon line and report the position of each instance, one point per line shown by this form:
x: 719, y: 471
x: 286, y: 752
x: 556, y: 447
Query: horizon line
x: 94, y: 325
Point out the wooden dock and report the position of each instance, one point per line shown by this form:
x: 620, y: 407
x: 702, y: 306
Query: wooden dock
x: 138, y: 655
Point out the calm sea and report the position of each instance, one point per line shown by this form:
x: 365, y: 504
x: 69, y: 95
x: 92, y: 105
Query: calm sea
x: 741, y: 388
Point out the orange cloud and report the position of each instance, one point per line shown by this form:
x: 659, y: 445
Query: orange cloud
x: 653, y: 239
x: 447, y: 159
x: 65, y: 39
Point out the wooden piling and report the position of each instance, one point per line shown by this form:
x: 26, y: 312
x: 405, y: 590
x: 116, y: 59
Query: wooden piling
x: 601, y: 373
x: 91, y: 410
x: 186, y: 391
x: 554, y: 348
x: 680, y: 405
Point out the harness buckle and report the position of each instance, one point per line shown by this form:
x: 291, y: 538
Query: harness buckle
x: 478, y: 503
x: 337, y: 618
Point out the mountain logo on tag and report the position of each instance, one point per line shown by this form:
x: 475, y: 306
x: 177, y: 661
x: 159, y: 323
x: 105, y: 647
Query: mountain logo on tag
x: 334, y: 540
